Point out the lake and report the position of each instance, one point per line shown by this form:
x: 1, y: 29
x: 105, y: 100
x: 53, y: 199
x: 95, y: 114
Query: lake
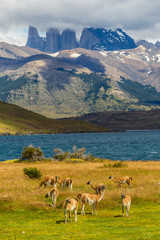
x: 129, y: 145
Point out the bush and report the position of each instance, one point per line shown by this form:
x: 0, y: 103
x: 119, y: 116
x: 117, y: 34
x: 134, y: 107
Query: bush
x: 31, y: 154
x: 32, y: 173
x: 75, y: 154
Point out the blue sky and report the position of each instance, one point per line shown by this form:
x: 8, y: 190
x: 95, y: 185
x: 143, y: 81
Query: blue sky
x: 139, y: 18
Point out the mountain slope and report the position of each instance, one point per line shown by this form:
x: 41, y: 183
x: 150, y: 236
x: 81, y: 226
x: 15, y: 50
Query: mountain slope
x: 131, y: 120
x: 17, y: 120
x: 80, y: 81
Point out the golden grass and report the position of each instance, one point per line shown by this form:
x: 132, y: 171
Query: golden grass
x: 17, y: 190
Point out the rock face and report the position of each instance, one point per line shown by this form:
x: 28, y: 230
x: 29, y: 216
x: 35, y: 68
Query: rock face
x: 34, y: 40
x: 53, y: 39
x: 103, y: 39
x: 145, y: 43
x: 68, y: 39
x: 92, y: 38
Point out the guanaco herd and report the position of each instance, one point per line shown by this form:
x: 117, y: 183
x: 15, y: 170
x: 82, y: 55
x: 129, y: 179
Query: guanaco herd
x: 70, y: 205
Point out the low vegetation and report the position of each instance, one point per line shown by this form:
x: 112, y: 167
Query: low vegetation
x: 32, y: 173
x: 31, y: 154
x: 77, y: 155
x: 25, y: 213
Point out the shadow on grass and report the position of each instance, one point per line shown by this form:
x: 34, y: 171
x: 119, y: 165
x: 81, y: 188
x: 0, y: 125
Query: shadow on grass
x: 118, y: 216
x: 60, y: 221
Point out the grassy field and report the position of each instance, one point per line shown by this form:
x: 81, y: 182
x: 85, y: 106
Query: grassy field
x: 25, y: 213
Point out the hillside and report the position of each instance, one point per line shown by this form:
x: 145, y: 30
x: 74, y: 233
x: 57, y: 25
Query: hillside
x: 75, y: 82
x: 16, y: 120
x: 131, y: 120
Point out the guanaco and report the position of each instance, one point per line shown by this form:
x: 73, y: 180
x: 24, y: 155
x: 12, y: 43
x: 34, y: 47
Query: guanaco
x: 70, y: 205
x: 66, y: 182
x: 91, y: 199
x: 96, y: 188
x: 49, y: 181
x: 126, y: 202
x: 53, y: 193
x: 121, y: 180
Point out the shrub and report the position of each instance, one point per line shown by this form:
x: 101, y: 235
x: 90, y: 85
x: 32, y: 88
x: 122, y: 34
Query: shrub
x: 31, y: 154
x: 32, y: 173
x: 75, y: 154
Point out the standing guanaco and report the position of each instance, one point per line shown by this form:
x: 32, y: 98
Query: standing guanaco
x: 121, y: 180
x: 91, y: 199
x: 96, y: 188
x: 126, y: 202
x: 53, y: 193
x: 66, y: 182
x: 68, y: 206
x: 49, y: 181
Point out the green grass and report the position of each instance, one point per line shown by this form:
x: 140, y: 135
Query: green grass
x: 143, y: 224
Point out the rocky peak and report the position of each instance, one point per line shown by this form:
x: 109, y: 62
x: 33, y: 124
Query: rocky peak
x: 157, y: 44
x: 145, y: 43
x: 53, y: 40
x: 103, y: 39
x: 34, y: 40
x: 68, y: 39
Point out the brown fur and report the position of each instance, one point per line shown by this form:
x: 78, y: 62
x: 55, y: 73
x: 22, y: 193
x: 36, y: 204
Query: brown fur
x: 121, y: 180
x: 66, y: 182
x: 53, y: 193
x: 49, y: 181
x: 68, y: 206
x: 126, y: 202
x: 96, y: 188
x: 91, y: 199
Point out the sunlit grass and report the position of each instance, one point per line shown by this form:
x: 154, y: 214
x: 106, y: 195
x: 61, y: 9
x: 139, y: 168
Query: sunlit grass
x: 25, y: 213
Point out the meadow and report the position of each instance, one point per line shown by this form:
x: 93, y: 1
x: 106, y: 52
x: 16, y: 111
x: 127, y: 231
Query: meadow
x: 25, y: 213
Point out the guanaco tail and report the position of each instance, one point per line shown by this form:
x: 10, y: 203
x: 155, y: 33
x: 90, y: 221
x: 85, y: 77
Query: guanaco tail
x: 91, y: 199
x: 53, y: 193
x: 126, y: 203
x: 96, y: 188
x: 68, y: 206
x: 66, y: 182
x: 49, y: 181
x: 121, y: 180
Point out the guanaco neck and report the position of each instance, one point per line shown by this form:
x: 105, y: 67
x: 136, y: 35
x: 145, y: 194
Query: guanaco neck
x: 100, y: 195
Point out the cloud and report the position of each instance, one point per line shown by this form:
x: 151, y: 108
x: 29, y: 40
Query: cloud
x: 137, y: 17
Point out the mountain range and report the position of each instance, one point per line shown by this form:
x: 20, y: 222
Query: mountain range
x: 91, y: 38
x: 78, y: 81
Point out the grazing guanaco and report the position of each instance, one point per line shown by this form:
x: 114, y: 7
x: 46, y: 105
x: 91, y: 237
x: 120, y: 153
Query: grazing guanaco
x: 126, y: 202
x: 68, y: 206
x: 49, y: 181
x: 96, y: 188
x: 91, y: 199
x: 121, y: 180
x: 66, y: 182
x: 53, y: 193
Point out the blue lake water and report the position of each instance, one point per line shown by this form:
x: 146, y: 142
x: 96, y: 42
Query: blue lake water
x: 130, y: 145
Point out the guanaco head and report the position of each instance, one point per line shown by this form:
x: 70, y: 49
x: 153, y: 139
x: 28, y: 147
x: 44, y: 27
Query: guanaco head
x: 68, y: 200
x: 102, y: 188
x: 56, y: 178
x: 122, y: 196
x: 79, y: 196
x: 48, y: 195
x: 89, y: 182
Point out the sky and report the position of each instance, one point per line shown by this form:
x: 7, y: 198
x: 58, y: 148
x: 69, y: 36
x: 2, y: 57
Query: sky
x: 140, y: 19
